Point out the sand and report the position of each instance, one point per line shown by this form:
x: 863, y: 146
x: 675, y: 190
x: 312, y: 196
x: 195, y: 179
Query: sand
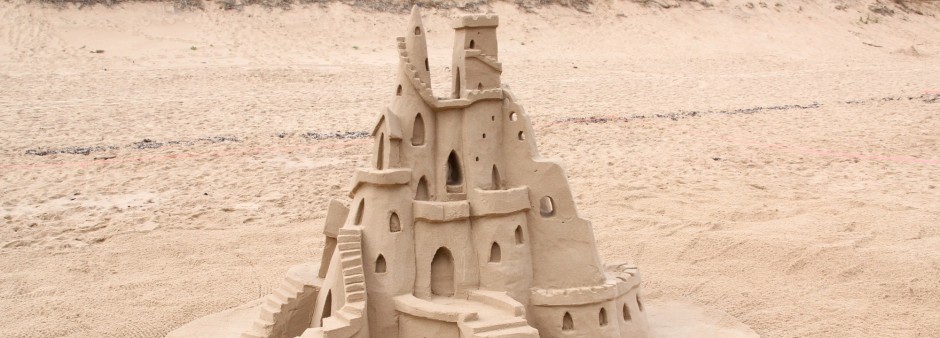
x: 777, y: 164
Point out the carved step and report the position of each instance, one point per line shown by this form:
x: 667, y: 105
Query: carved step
x: 261, y: 326
x: 354, y: 308
x: 354, y: 287
x: 351, y: 262
x: 254, y: 334
x: 479, y: 326
x: 353, y: 271
x: 513, y: 332
x: 350, y: 253
x: 355, y: 297
x: 268, y: 312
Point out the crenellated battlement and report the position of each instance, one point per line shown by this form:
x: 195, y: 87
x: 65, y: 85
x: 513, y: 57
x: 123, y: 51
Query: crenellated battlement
x: 476, y: 21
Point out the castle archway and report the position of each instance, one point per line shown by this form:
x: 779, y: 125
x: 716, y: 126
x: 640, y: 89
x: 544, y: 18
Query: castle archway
x: 442, y: 273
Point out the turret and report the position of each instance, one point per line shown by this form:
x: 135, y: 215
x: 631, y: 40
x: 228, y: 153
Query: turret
x: 475, y: 63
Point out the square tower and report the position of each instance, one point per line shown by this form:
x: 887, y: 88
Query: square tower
x: 475, y: 62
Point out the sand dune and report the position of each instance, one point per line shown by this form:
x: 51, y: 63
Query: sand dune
x: 775, y: 163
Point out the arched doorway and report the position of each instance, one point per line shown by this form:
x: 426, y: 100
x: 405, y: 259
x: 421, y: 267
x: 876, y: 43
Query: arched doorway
x: 442, y: 273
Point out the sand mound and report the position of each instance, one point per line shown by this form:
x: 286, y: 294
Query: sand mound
x: 762, y: 161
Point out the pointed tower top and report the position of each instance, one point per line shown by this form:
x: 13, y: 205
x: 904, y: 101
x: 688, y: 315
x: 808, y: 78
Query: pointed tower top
x: 415, y: 22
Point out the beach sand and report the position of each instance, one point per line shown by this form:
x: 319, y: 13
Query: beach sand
x: 778, y: 164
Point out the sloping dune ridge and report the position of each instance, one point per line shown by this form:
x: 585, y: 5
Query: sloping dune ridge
x: 774, y: 162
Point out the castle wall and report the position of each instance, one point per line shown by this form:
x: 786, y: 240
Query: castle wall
x: 586, y: 319
x: 387, y: 232
x: 448, y: 137
x: 481, y: 77
x: 563, y: 246
x: 411, y: 326
x: 418, y: 157
x: 455, y: 236
x: 511, y: 272
x: 481, y: 140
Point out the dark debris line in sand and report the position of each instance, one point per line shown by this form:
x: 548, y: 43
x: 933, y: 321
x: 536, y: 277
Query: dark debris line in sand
x: 147, y: 143
x: 926, y: 98
x: 141, y: 145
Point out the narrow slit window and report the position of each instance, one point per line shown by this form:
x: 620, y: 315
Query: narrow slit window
x: 327, y: 307
x: 602, y: 317
x: 398, y: 91
x: 359, y: 211
x: 626, y: 313
x: 456, y: 93
x: 394, y: 224
x: 380, y: 154
x: 519, y: 239
x: 454, y: 175
x: 494, y: 176
x: 417, y: 132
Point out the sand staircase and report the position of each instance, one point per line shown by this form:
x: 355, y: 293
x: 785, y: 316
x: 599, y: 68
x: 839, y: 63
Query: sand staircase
x: 274, y: 304
x: 489, y: 60
x: 499, y: 316
x: 348, y: 320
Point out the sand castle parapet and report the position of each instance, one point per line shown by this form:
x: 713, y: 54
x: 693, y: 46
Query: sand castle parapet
x: 459, y: 228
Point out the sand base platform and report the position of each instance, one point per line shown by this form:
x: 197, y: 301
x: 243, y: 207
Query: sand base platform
x: 668, y: 316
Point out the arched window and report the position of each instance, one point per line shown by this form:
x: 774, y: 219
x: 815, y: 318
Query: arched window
x: 454, y: 175
x: 417, y: 132
x: 626, y: 313
x: 359, y: 211
x: 479, y: 85
x: 398, y: 92
x: 472, y: 44
x: 495, y: 253
x: 417, y: 30
x: 442, y: 273
x: 422, y: 191
x: 567, y: 324
x: 394, y: 224
x: 547, y: 207
x: 380, y: 154
x: 602, y: 317
x: 380, y: 266
x: 519, y: 238
x: 521, y: 136
x: 513, y: 116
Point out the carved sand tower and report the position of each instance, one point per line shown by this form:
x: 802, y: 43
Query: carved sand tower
x: 460, y: 228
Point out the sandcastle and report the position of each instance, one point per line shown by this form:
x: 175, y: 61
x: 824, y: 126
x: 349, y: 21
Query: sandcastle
x: 460, y: 228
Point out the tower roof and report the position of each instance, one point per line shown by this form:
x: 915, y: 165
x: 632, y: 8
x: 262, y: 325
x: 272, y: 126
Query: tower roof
x: 476, y: 20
